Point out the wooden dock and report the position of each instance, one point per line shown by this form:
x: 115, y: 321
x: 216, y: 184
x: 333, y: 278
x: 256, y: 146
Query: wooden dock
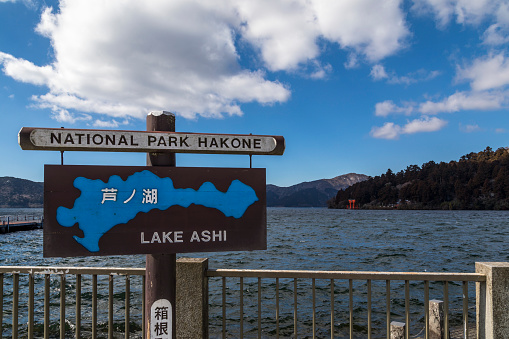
x: 10, y: 224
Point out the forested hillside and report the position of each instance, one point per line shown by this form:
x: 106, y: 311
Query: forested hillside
x: 476, y: 181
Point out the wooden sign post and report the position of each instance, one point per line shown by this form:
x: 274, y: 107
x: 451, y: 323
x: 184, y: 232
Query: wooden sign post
x: 160, y: 269
x: 159, y: 209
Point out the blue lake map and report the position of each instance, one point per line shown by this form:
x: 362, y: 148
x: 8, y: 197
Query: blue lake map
x: 103, y: 205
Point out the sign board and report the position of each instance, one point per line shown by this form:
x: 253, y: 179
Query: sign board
x: 112, y: 210
x: 60, y: 139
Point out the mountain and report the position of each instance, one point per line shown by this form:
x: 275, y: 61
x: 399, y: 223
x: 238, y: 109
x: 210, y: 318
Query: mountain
x: 311, y: 194
x: 16, y: 192
x: 478, y: 181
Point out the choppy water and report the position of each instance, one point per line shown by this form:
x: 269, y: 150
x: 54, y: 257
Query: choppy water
x: 321, y: 239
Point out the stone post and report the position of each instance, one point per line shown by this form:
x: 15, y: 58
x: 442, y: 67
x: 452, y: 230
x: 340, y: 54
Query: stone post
x: 397, y: 330
x: 436, y: 319
x: 192, y: 298
x: 492, y: 300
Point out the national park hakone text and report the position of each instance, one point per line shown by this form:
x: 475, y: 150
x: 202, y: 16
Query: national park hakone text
x: 191, y: 141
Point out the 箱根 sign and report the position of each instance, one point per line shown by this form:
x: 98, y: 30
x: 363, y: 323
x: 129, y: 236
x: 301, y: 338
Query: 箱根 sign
x: 111, y: 210
x: 60, y: 139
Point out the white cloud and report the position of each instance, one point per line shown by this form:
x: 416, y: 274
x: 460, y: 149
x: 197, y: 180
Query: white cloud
x: 503, y: 13
x: 25, y: 71
x: 424, y: 124
x: 352, y: 61
x: 69, y: 101
x: 373, y: 28
x: 461, y: 101
x: 474, y: 11
x: 392, y: 131
x: 488, y: 77
x: 485, y: 73
x: 126, y: 58
x: 414, y: 77
x: 387, y: 107
x: 284, y: 31
x: 48, y: 23
x: 465, y: 11
x: 378, y: 72
x: 389, y: 131
x: 64, y: 116
x: 496, y: 35
x: 30, y: 4
x: 470, y: 12
x: 109, y: 124
x: 469, y: 128
x: 320, y: 71
x: 129, y: 58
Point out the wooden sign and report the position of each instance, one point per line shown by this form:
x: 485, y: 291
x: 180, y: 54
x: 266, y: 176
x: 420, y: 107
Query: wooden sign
x: 60, y: 139
x: 111, y: 210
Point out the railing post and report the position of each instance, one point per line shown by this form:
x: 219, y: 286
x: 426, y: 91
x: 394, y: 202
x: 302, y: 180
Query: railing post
x: 192, y: 298
x: 492, y: 300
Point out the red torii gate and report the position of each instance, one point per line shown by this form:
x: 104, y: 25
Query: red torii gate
x: 352, y: 204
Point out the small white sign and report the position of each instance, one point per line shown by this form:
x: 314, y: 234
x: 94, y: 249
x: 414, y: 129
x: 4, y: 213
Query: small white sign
x: 161, y: 320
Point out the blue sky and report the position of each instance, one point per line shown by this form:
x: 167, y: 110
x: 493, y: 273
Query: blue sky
x: 353, y: 85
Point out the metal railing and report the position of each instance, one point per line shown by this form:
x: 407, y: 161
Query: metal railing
x: 281, y: 298
x: 254, y: 303
x: 42, y: 290
x: 14, y: 218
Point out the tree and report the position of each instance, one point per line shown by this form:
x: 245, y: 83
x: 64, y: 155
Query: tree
x: 477, y: 180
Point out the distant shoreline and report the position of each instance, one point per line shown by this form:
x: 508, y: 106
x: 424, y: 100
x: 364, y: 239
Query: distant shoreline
x: 23, y: 206
x: 420, y: 208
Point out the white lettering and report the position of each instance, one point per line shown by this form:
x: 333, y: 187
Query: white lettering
x: 178, y: 236
x: 109, y: 194
x: 166, y: 236
x: 217, y: 235
x: 205, y: 236
x: 155, y: 238
x: 195, y: 237
x: 149, y: 196
x: 143, y: 241
x: 172, y: 237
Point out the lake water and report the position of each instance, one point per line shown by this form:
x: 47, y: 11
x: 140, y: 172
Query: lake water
x: 322, y: 239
